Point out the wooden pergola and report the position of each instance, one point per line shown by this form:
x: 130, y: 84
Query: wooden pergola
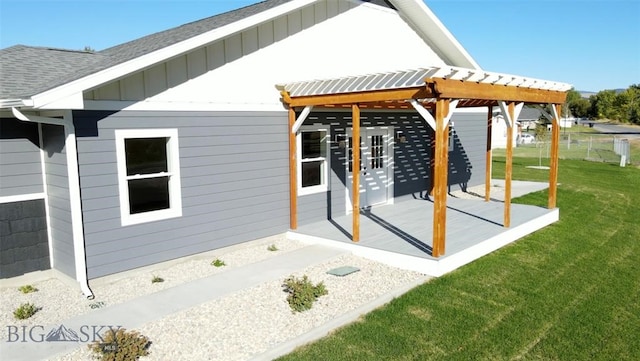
x: 434, y: 93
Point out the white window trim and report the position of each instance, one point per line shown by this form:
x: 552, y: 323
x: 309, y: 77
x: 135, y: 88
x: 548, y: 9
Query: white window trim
x: 302, y: 191
x: 173, y: 163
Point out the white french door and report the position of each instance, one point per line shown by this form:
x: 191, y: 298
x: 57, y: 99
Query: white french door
x: 375, y: 148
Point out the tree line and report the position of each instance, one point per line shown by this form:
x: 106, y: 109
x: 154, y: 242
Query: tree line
x: 623, y: 106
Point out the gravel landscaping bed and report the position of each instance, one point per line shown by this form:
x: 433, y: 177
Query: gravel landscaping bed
x: 235, y: 327
x: 60, y: 300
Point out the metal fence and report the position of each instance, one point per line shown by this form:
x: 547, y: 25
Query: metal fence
x: 593, y: 147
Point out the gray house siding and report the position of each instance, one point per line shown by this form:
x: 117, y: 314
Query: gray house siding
x: 234, y: 177
x: 20, y: 166
x: 412, y: 169
x: 58, y: 195
x: 467, y: 160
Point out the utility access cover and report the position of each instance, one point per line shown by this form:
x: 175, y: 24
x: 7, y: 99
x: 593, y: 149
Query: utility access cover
x: 343, y: 271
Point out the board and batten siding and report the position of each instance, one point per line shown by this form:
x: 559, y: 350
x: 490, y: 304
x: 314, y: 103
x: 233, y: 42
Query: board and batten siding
x: 318, y: 41
x: 191, y: 65
x: 234, y: 175
x: 20, y: 164
x: 55, y: 164
x: 412, y: 159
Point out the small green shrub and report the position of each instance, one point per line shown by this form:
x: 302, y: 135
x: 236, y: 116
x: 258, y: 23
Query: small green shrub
x: 27, y: 289
x: 120, y: 345
x: 302, y: 293
x: 272, y: 248
x: 218, y: 263
x: 157, y: 279
x: 25, y: 311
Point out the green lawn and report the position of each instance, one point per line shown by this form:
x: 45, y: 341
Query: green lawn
x: 570, y: 291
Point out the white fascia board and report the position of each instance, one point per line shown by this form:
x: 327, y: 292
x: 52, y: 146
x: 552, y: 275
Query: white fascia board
x: 12, y: 103
x: 73, y: 101
x: 180, y: 106
x: 120, y: 70
x: 434, y: 32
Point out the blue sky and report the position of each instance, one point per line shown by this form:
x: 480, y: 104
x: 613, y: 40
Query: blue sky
x: 592, y: 44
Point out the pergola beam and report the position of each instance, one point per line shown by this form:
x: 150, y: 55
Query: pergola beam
x: 375, y: 96
x: 456, y: 89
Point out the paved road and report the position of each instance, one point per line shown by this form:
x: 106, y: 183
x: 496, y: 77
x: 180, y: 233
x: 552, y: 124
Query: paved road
x: 626, y: 130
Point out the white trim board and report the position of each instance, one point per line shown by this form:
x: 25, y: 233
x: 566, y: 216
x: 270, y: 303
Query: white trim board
x: 22, y: 197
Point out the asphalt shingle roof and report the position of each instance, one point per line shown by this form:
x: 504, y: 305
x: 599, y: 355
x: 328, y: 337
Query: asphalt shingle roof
x: 27, y: 71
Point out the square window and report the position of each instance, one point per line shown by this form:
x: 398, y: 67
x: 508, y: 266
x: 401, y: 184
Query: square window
x: 148, y: 175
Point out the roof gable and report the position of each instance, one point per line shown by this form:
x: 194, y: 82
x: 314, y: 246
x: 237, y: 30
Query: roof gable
x: 91, y: 70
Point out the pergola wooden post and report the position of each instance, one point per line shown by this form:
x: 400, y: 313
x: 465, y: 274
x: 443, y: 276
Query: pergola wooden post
x: 489, y: 157
x: 293, y: 173
x: 440, y: 180
x: 555, y: 145
x: 508, y: 166
x: 355, y: 149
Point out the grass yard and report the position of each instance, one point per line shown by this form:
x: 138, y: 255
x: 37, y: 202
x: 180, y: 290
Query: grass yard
x: 568, y: 292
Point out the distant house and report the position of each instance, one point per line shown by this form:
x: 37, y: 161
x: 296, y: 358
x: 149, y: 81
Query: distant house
x: 529, y: 118
x: 179, y: 142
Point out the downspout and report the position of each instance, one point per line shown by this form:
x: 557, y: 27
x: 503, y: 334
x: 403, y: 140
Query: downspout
x: 76, y: 205
x: 74, y: 192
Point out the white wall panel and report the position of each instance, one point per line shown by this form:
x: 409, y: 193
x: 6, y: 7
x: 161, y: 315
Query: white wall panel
x: 197, y: 63
x: 177, y: 71
x: 155, y: 79
x: 332, y: 8
x: 280, y: 30
x: 265, y: 34
x: 250, y: 41
x: 132, y: 87
x: 215, y: 55
x: 295, y: 23
x: 233, y: 48
x: 320, y: 12
x: 308, y: 17
x: 110, y: 91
